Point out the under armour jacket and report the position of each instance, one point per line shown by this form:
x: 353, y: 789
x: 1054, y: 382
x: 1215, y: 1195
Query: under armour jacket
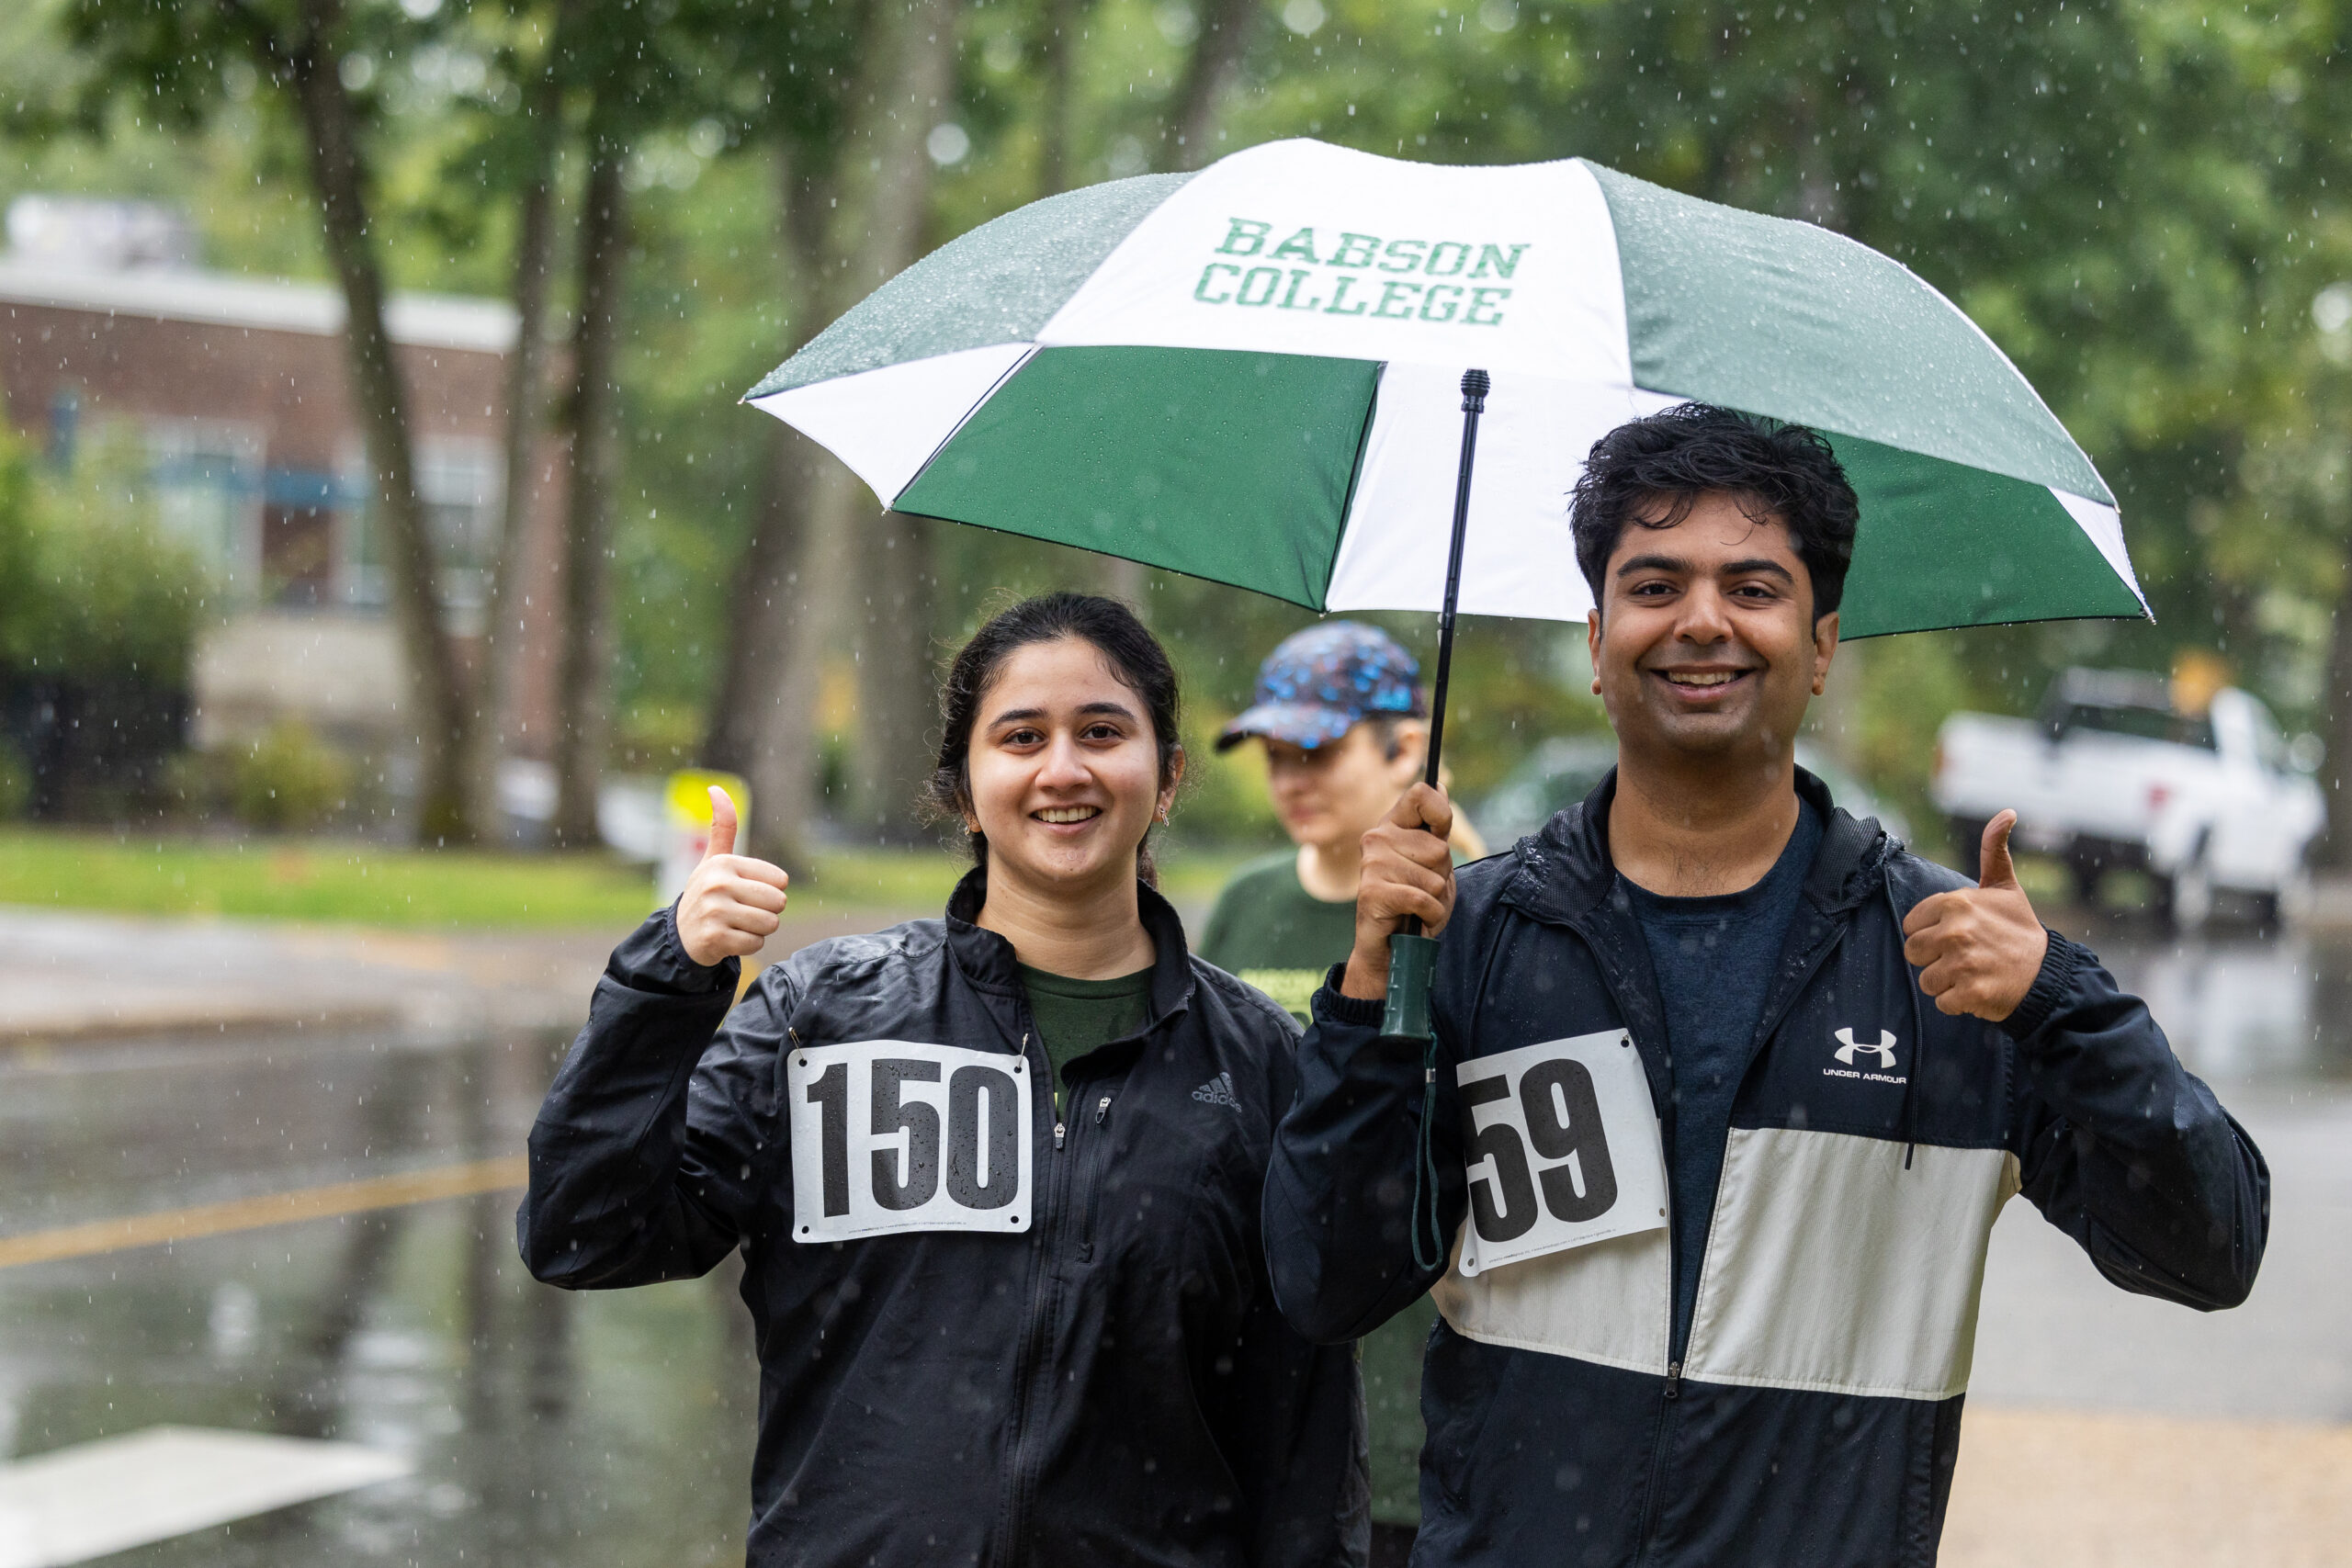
x: 1809, y: 1416
x: 1108, y: 1381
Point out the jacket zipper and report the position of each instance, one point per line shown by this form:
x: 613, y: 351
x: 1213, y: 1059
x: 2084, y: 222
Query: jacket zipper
x: 1652, y: 1500
x: 1672, y: 1393
x: 1059, y: 1176
x: 1093, y: 1188
x: 1048, y: 1216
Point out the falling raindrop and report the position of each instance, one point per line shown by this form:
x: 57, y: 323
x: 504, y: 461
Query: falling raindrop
x: 1127, y: 157
x: 948, y: 143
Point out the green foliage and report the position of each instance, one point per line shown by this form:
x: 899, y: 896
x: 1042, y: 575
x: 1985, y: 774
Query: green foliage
x: 288, y: 780
x: 2139, y: 202
x: 319, y: 880
x: 91, y: 588
x: 1223, y: 800
x: 16, y: 783
x: 1909, y: 684
x: 372, y: 884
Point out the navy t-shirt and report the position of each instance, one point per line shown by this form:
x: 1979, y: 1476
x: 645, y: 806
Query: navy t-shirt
x: 1713, y: 958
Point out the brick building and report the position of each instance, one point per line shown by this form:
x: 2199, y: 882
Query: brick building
x: 236, y: 391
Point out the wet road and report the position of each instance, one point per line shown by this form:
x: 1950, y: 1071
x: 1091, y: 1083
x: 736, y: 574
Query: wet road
x: 615, y: 1429
x: 542, y: 1428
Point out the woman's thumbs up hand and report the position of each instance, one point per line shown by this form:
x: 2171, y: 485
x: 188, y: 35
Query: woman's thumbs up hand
x: 732, y: 902
x: 1978, y: 949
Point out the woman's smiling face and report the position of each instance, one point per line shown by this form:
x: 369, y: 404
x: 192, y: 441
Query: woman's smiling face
x: 1064, y: 769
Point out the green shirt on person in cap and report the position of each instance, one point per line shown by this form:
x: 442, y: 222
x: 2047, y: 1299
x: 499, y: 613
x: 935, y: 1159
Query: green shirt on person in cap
x: 1269, y: 930
x: 1275, y: 934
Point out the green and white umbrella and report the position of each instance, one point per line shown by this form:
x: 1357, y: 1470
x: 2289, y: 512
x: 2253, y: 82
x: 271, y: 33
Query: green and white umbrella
x: 1251, y: 375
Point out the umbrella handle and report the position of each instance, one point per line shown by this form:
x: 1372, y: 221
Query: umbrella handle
x: 1412, y: 957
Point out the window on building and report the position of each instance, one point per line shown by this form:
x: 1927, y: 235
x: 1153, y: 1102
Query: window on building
x: 207, y: 486
x: 462, y: 484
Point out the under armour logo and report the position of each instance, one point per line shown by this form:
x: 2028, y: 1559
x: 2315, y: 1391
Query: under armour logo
x: 1218, y: 1090
x: 1885, y: 1050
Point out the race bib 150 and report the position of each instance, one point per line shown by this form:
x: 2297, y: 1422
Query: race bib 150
x: 1561, y: 1149
x: 890, y: 1136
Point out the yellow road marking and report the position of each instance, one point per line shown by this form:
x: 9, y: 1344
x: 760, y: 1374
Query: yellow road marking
x: 271, y: 1209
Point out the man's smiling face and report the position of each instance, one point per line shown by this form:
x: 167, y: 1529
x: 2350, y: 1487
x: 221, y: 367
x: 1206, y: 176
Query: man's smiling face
x: 1706, y: 643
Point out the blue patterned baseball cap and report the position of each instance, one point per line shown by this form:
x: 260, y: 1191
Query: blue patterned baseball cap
x: 1318, y: 683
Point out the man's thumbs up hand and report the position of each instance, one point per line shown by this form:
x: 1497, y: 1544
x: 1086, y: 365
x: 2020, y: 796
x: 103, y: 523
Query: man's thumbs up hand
x: 1977, y: 949
x: 1994, y: 867
x: 732, y: 902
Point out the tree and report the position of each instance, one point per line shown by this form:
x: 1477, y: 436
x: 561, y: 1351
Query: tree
x: 535, y: 144
x: 584, y: 666
x: 1219, y: 45
x: 170, y: 56
x: 855, y: 183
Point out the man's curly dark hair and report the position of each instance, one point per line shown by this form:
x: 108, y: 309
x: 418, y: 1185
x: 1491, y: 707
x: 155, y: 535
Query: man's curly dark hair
x: 1779, y: 471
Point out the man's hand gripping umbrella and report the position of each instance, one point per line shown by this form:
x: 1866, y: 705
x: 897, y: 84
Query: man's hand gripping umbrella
x: 1414, y: 837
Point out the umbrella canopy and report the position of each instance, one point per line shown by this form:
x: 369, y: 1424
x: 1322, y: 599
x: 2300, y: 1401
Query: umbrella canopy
x: 1252, y: 375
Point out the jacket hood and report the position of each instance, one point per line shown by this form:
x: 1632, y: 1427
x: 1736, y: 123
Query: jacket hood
x: 1566, y: 871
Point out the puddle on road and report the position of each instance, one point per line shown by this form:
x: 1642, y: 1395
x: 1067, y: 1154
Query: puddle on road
x: 2243, y: 1005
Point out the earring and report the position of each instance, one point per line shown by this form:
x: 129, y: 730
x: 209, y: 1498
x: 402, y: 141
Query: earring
x: 1163, y: 816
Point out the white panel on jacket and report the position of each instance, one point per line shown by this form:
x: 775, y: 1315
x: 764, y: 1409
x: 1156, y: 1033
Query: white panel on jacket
x: 1833, y: 1269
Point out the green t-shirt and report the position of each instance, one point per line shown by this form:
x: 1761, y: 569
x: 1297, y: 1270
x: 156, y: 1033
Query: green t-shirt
x: 1269, y: 930
x: 1075, y: 1016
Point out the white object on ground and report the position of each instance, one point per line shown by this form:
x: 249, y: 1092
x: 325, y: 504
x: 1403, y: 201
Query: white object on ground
x: 94, y: 1498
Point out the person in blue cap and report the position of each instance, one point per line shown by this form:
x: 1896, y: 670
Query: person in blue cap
x: 1344, y: 726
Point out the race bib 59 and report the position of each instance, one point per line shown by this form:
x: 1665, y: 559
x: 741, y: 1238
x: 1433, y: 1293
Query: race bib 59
x: 890, y: 1136
x: 1560, y: 1147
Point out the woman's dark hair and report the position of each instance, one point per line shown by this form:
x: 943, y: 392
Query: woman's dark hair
x: 1684, y: 452
x: 1134, y: 655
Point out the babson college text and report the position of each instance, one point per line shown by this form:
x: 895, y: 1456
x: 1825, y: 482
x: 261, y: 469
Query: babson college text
x: 1338, y: 274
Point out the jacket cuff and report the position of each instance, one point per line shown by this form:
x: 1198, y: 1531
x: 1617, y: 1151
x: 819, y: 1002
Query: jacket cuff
x: 2060, y: 963
x: 651, y: 958
x: 1333, y: 1007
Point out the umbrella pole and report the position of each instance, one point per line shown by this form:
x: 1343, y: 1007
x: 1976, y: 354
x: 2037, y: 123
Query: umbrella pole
x: 1413, y: 956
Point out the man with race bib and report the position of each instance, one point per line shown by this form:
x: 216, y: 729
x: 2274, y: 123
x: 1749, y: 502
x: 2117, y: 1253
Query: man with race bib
x: 1726, y: 1090
x: 996, y: 1177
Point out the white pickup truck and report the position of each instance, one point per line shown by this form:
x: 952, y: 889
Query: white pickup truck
x: 2111, y: 775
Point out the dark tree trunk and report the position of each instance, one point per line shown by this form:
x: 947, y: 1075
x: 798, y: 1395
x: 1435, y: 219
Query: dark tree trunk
x: 762, y: 722
x: 2334, y: 848
x: 441, y: 716
x: 850, y: 220
x: 1061, y: 45
x: 583, y: 679
x: 896, y: 680
x: 1215, y: 61
x: 896, y: 673
x: 527, y: 372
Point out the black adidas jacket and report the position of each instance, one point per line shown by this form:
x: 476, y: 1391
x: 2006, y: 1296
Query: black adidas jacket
x: 1111, y: 1383
x: 1809, y: 1416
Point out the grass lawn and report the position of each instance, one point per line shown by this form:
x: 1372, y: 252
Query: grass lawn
x: 364, y: 883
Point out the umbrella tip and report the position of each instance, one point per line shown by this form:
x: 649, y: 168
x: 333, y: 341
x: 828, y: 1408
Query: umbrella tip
x: 1474, y: 385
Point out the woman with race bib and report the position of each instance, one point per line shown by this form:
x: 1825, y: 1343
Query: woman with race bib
x: 995, y: 1176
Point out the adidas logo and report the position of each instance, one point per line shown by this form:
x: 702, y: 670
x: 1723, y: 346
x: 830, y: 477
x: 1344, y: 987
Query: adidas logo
x: 1218, y: 1090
